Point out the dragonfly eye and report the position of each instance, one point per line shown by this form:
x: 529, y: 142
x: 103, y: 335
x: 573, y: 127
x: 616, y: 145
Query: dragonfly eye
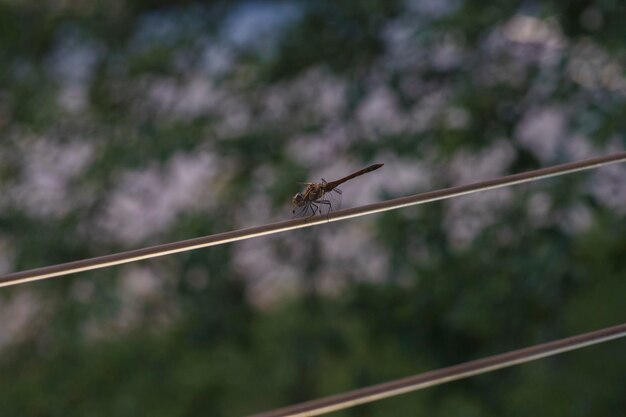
x: 298, y: 200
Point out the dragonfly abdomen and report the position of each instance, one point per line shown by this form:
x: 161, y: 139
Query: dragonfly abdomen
x: 333, y: 184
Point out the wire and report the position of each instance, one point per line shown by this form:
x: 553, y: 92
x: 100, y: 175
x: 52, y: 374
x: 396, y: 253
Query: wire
x: 283, y: 226
x: 449, y: 374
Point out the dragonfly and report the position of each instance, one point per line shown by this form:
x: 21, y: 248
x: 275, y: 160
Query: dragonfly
x: 318, y: 195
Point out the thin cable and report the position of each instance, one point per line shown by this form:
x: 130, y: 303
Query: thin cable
x: 443, y: 375
x: 227, y: 237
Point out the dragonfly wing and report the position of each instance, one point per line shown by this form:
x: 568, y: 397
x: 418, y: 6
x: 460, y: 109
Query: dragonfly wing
x: 329, y: 202
x: 335, y: 198
x: 305, y: 211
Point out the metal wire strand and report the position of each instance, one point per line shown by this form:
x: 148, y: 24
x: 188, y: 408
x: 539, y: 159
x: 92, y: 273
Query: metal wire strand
x: 443, y: 375
x: 283, y: 226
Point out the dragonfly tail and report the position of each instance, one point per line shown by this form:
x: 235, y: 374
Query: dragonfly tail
x: 332, y: 184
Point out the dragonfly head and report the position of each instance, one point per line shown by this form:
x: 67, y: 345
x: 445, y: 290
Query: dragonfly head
x: 298, y: 200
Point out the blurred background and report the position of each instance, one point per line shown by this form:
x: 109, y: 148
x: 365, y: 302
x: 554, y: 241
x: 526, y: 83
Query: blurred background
x: 126, y: 124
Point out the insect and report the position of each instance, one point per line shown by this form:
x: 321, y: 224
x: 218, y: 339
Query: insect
x: 318, y: 195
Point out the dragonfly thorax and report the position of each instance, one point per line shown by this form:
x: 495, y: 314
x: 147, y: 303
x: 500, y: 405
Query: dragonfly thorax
x: 312, y: 193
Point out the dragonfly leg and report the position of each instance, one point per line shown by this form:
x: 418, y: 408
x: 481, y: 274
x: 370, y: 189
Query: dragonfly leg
x: 315, y: 209
x: 326, y: 203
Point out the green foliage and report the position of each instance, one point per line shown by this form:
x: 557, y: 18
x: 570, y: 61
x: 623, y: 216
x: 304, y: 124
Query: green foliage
x: 328, y: 30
